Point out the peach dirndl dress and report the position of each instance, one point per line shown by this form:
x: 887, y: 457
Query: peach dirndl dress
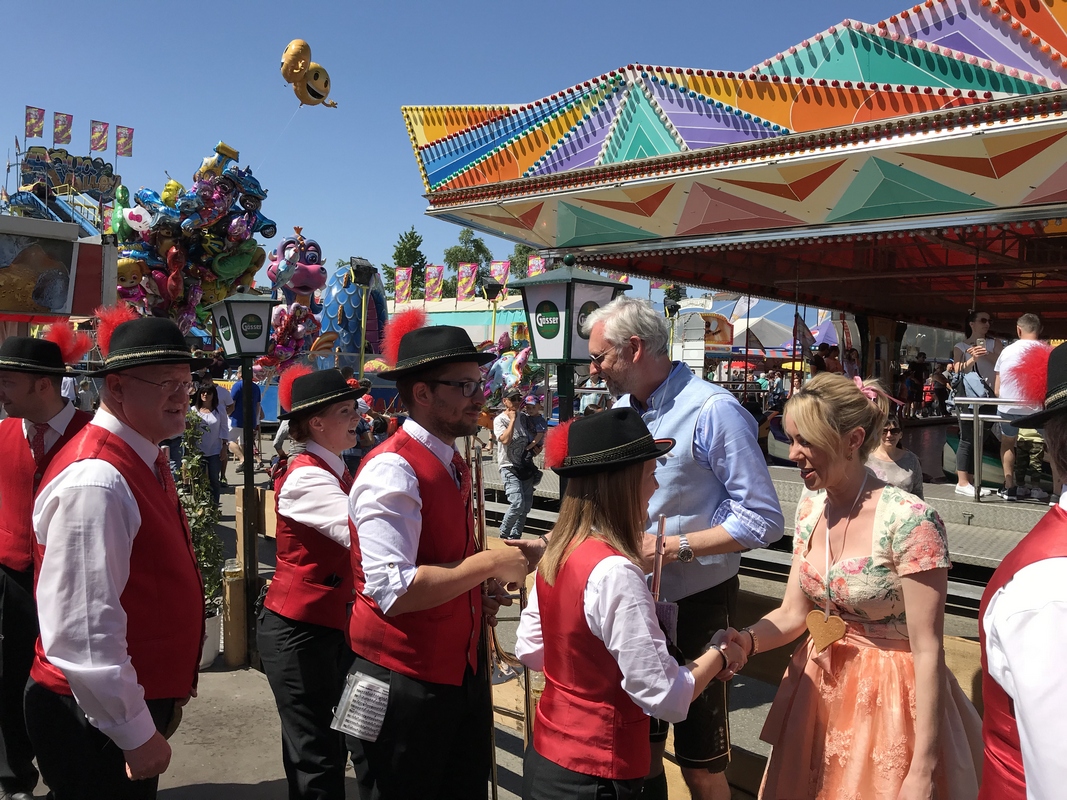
x: 842, y: 725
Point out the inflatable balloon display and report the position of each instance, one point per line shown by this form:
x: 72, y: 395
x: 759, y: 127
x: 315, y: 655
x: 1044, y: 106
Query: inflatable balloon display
x: 342, y: 304
x: 310, y: 81
x: 182, y: 250
x: 297, y: 271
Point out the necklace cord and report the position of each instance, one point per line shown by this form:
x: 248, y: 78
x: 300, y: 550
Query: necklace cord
x: 848, y: 519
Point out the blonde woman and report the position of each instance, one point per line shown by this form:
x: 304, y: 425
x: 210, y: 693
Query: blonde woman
x: 607, y: 667
x: 867, y: 708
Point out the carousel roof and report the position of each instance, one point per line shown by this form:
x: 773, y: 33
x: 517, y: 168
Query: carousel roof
x: 936, y: 136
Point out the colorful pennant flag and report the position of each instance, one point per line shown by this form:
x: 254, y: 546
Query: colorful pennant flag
x: 536, y: 266
x: 618, y: 276
x: 660, y: 284
x: 824, y: 314
x: 18, y: 150
x: 435, y: 278
x: 123, y: 141
x: 61, y: 126
x: 465, y: 277
x: 802, y: 338
x: 97, y: 136
x: 34, y: 122
x: 402, y: 290
x: 500, y: 270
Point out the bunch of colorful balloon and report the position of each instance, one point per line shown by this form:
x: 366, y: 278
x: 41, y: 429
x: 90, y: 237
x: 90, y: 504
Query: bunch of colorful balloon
x: 293, y: 329
x: 181, y: 251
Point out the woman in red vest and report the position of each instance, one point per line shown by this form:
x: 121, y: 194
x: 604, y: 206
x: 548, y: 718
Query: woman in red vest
x: 606, y: 669
x: 301, y: 624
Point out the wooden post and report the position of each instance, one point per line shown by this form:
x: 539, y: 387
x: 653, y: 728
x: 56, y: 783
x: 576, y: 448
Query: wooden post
x: 235, y: 614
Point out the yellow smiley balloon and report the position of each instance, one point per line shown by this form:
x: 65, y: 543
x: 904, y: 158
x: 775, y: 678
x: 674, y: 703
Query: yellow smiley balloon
x: 295, y: 60
x: 314, y: 87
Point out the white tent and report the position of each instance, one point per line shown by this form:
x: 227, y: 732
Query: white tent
x: 765, y: 333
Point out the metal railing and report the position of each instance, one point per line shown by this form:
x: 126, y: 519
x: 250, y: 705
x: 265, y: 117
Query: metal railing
x: 978, y: 420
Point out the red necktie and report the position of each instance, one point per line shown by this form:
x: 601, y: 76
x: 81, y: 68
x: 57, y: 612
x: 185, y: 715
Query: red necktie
x: 463, y: 473
x: 166, y: 479
x: 37, y: 442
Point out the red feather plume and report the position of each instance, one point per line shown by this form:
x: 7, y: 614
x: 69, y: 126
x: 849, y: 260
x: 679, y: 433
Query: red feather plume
x: 107, y: 319
x: 285, y: 384
x: 556, y: 444
x: 398, y: 326
x: 1031, y: 374
x: 72, y: 344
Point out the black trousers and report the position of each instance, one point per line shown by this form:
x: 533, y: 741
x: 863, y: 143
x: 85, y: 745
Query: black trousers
x: 18, y: 633
x: 77, y: 761
x: 546, y: 780
x: 306, y: 666
x: 434, y: 743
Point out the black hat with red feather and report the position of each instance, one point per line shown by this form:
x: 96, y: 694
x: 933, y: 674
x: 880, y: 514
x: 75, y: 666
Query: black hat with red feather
x: 127, y: 341
x: 1042, y: 379
x: 301, y: 390
x: 601, y: 442
x: 411, y: 348
x: 61, y: 346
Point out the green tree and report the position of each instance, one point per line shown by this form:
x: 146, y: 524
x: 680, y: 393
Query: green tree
x: 407, y: 252
x: 673, y: 292
x: 471, y: 249
x: 520, y: 259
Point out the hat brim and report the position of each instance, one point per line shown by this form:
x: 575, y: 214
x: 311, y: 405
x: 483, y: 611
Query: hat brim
x: 1040, y: 418
x: 660, y: 448
x: 151, y: 361
x: 32, y: 369
x: 323, y: 402
x: 481, y: 359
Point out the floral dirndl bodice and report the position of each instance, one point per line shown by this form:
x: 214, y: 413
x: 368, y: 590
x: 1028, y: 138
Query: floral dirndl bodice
x: 908, y: 537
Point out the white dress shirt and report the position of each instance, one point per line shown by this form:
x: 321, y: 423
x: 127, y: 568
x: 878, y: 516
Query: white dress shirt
x: 215, y: 427
x: 56, y: 427
x: 1025, y: 652
x: 386, y: 510
x: 87, y: 519
x: 314, y: 497
x: 621, y: 613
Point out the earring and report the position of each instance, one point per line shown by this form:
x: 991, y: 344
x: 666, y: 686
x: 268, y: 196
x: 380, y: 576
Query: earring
x: 849, y: 456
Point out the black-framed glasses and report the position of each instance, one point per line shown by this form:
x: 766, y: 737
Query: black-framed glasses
x: 468, y: 388
x: 984, y: 320
x: 170, y: 387
x: 891, y: 431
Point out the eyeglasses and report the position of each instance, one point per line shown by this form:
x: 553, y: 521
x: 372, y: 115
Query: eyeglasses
x: 984, y: 320
x: 891, y: 431
x: 169, y: 387
x: 468, y: 388
x: 599, y: 359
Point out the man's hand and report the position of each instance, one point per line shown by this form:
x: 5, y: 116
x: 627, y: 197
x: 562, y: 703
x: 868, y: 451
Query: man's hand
x: 511, y: 567
x: 512, y: 413
x: 149, y: 760
x: 533, y: 549
x: 493, y: 597
x: 735, y: 650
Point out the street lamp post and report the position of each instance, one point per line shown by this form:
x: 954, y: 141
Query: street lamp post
x: 362, y: 272
x: 557, y: 303
x: 492, y: 288
x: 243, y: 324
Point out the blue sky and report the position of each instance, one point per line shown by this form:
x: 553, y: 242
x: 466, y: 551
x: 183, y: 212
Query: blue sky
x: 185, y: 76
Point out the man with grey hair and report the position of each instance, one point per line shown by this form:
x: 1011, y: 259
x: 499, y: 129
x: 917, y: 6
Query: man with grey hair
x: 718, y: 498
x: 1027, y: 329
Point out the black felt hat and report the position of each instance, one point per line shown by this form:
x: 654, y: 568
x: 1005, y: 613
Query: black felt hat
x: 607, y: 440
x: 36, y: 356
x: 1055, y: 394
x: 318, y: 390
x: 427, y: 347
x: 145, y: 342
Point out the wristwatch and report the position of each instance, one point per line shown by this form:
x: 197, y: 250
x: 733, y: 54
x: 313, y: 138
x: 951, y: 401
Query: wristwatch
x: 685, y: 552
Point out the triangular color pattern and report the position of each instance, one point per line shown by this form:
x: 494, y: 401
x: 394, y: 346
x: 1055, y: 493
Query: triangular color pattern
x: 575, y: 226
x: 701, y: 123
x: 797, y: 190
x: 581, y: 146
x: 638, y: 132
x: 643, y: 202
x: 1052, y: 190
x: 884, y: 191
x: 523, y: 221
x: 997, y: 164
x: 711, y: 210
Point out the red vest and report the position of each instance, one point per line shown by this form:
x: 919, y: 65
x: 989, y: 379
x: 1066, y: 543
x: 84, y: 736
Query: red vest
x: 313, y: 579
x: 585, y: 720
x: 437, y: 644
x: 163, y: 598
x: 1002, y: 767
x: 19, y: 480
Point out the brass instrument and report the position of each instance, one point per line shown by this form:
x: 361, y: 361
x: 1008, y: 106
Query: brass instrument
x: 501, y: 665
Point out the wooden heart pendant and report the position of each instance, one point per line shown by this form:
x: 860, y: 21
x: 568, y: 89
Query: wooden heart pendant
x: 824, y: 630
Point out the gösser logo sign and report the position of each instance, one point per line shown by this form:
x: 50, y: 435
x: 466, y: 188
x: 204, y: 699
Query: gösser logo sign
x: 224, y: 328
x: 546, y: 318
x: 251, y: 326
x: 583, y: 313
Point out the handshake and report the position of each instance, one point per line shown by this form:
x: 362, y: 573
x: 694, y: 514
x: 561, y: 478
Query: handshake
x: 736, y: 647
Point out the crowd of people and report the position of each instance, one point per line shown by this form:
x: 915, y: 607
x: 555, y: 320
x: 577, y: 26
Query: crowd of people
x: 373, y: 628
